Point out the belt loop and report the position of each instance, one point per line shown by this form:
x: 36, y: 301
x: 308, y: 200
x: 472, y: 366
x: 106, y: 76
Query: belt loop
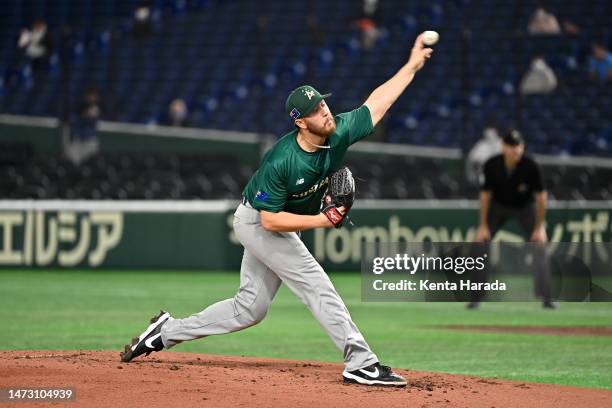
x: 246, y: 203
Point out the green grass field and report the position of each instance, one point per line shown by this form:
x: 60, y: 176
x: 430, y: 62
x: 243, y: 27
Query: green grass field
x: 104, y: 309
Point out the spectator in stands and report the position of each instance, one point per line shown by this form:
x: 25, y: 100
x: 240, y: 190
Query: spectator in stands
x: 543, y: 22
x: 368, y: 22
x: 488, y: 146
x: 142, y: 20
x: 177, y: 113
x: 600, y: 63
x: 89, y: 112
x: 539, y: 79
x: 315, y: 31
x: 36, y: 43
x: 84, y: 142
x: 570, y: 28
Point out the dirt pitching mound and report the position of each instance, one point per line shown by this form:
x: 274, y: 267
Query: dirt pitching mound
x: 547, y: 330
x: 171, y: 379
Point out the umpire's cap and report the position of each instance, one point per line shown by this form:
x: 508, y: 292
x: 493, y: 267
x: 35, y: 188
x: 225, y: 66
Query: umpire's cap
x: 302, y: 100
x: 513, y: 138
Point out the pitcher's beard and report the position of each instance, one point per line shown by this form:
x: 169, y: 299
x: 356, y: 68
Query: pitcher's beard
x: 323, y: 131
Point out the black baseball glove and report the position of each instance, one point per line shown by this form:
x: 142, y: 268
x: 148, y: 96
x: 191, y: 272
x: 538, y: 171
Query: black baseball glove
x: 340, y: 193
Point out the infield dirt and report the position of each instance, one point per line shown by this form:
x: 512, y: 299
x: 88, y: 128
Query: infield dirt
x: 189, y: 380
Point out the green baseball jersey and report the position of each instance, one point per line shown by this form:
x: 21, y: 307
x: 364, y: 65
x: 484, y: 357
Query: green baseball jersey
x: 294, y: 180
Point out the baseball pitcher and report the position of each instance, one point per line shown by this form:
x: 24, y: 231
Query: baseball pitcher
x: 300, y: 185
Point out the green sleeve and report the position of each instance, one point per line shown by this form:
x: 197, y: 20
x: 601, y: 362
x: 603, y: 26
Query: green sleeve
x: 270, y: 189
x: 357, y: 123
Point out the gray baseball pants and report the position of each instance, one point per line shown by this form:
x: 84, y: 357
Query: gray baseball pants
x: 272, y: 258
x: 526, y: 216
x: 500, y: 214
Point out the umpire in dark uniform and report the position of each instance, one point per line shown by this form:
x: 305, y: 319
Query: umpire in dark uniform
x: 512, y: 188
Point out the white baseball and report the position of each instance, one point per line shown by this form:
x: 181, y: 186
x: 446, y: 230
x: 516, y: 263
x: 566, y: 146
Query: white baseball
x: 430, y: 37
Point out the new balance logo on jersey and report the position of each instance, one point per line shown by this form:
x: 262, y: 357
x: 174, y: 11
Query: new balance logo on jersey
x: 300, y: 181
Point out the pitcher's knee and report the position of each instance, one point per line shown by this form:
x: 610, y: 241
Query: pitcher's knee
x: 250, y: 317
x: 253, y: 311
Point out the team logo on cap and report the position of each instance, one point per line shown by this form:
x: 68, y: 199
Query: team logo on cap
x: 294, y: 113
x: 309, y: 93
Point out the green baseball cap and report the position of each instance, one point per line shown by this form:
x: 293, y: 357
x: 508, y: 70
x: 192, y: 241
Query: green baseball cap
x: 302, y: 101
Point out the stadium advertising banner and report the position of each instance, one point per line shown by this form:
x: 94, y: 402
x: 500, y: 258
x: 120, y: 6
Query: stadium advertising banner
x: 339, y: 249
x: 198, y: 235
x: 115, y: 238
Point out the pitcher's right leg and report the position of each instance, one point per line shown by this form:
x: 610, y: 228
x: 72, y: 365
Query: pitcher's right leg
x: 249, y: 306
